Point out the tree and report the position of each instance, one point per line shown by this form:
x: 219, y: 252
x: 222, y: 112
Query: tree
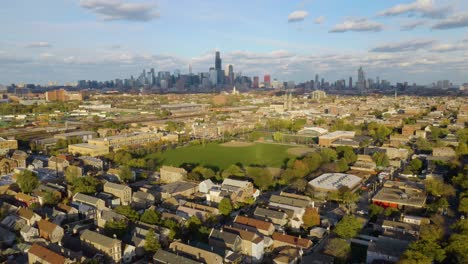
x: 71, y: 173
x: 348, y: 227
x: 338, y: 248
x: 375, y: 210
x: 278, y: 136
x: 313, y: 161
x: 196, y: 229
x: 51, y: 198
x: 438, y: 188
x: 463, y: 206
x: 125, y: 174
x: 61, y: 144
x: 456, y: 248
x: 414, y: 257
x: 87, y: 185
x: 380, y: 159
x: 311, y: 217
x: 328, y: 155
x: 299, y: 185
x: 152, y: 244
x: 349, y: 197
x: 347, y: 153
x: 173, y: 227
x: 150, y: 217
x: 431, y: 232
x: 233, y: 170
x: 27, y: 181
x: 118, y: 228
x: 391, y: 212
x: 462, y: 149
x: 225, y: 206
x: 261, y: 176
x: 429, y: 248
x: 415, y: 166
x: 423, y: 145
x: 342, y: 165
x: 127, y: 211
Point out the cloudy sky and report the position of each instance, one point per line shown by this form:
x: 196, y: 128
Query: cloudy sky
x: 399, y: 40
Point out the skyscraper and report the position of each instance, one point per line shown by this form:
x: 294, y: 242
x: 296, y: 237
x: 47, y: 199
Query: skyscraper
x: 231, y: 74
x: 350, y: 82
x: 361, y: 83
x: 267, y: 80
x: 317, y: 84
x: 255, y: 82
x: 219, y: 72
x: 218, y: 61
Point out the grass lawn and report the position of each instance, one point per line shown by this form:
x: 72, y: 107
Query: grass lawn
x: 216, y: 155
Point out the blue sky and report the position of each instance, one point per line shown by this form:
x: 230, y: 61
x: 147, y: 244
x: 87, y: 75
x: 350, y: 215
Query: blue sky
x: 399, y: 40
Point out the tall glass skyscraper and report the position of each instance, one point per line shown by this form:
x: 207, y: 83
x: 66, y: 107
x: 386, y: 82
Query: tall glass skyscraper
x: 361, y: 82
x: 218, y: 61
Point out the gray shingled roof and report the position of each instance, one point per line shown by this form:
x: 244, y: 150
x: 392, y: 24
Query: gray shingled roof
x: 163, y: 256
x: 99, y: 239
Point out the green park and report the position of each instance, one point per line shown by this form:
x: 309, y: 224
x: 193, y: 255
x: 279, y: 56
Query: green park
x: 224, y: 155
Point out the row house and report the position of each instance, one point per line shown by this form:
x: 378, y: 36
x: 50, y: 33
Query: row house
x: 88, y: 205
x: 255, y: 225
x: 95, y: 242
x: 203, y: 212
x: 252, y: 245
x: 50, y: 231
x: 277, y: 217
x: 123, y: 192
x: 40, y: 254
x: 196, y: 253
x: 298, y: 206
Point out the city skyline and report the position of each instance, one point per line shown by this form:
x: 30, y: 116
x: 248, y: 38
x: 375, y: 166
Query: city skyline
x: 415, y: 41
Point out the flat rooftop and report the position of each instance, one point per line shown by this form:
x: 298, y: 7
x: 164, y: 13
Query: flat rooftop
x: 88, y: 146
x: 335, y: 181
x: 338, y: 134
x: 402, y: 197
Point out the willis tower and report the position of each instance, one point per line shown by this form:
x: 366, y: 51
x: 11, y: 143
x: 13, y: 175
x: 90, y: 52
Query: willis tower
x: 219, y: 71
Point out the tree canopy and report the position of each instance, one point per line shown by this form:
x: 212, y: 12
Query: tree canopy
x: 225, y: 206
x: 152, y: 243
x: 348, y: 227
x: 151, y: 216
x: 311, y: 217
x: 128, y: 212
x: 27, y: 181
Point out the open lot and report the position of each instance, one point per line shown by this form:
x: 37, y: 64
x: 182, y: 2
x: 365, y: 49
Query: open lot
x: 220, y: 156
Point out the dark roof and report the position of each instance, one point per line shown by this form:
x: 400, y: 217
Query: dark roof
x: 388, y: 246
x: 177, y: 187
x: 163, y: 256
x: 289, y: 201
x: 268, y: 213
x: 227, y: 238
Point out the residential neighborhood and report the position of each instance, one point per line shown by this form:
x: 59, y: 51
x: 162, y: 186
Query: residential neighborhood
x: 338, y: 179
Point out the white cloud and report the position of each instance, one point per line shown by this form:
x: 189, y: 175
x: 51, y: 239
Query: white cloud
x: 411, y: 25
x: 410, y: 45
x: 454, y: 21
x: 358, y: 25
x: 319, y: 20
x: 449, y: 47
x: 297, y: 16
x: 109, y: 10
x: 282, y: 64
x: 426, y: 8
x: 41, y: 44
